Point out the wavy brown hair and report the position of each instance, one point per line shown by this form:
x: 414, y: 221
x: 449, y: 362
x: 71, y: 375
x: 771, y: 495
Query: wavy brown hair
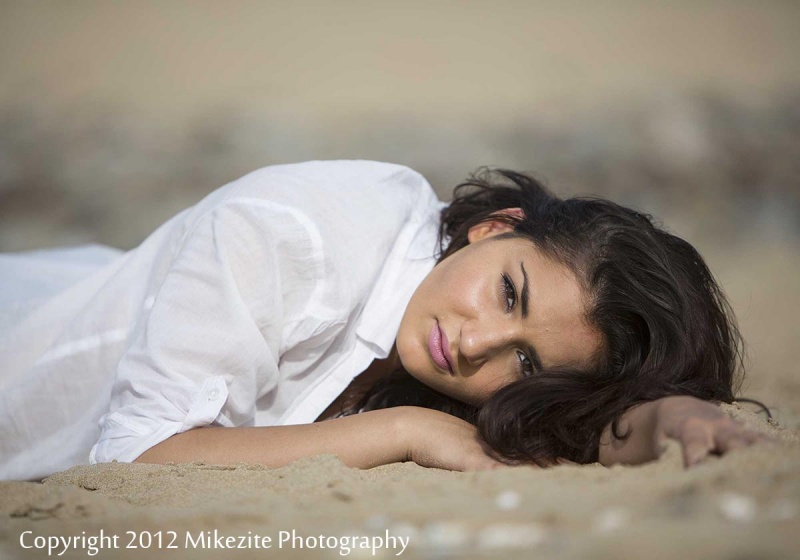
x: 666, y: 326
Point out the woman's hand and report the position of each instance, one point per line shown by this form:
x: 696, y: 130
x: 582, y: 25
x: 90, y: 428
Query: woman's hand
x: 436, y: 439
x: 701, y: 428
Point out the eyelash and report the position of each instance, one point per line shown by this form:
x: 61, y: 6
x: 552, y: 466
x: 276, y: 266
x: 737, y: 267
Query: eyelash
x: 510, y: 293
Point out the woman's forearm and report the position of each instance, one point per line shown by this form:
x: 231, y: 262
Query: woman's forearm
x: 363, y: 441
x: 640, y: 446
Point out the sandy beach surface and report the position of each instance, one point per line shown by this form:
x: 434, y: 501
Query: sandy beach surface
x: 743, y: 505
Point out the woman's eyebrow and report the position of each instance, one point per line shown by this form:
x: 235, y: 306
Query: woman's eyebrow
x: 534, y: 356
x: 524, y: 294
x: 532, y: 353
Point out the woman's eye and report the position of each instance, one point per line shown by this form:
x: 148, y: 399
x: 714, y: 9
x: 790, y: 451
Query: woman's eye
x: 509, y: 293
x: 525, y: 364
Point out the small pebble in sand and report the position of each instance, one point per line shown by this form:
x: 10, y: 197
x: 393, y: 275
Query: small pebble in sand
x: 511, y: 535
x: 611, y: 519
x: 737, y: 507
x: 508, y: 500
x: 445, y: 534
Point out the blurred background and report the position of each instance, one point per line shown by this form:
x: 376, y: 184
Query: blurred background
x: 116, y: 115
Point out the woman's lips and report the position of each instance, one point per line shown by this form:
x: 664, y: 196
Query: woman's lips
x: 438, y: 347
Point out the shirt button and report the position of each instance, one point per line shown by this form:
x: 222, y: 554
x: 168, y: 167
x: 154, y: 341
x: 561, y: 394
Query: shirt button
x: 213, y: 394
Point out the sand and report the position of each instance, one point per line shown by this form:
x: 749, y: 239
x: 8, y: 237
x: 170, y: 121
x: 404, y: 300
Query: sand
x: 743, y: 505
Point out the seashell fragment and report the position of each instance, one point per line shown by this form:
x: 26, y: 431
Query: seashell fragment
x: 508, y: 500
x: 737, y: 507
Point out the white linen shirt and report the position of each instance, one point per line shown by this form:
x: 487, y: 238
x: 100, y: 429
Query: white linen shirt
x: 255, y: 307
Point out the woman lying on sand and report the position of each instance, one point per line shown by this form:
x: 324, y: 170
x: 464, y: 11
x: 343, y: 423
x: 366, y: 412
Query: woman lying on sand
x: 339, y: 307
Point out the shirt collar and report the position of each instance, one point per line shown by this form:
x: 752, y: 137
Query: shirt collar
x: 410, y: 260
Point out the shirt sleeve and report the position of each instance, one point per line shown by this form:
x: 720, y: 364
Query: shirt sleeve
x: 207, y: 343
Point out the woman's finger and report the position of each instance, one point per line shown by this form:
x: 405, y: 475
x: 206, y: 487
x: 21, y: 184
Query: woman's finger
x: 694, y: 454
x: 696, y: 444
x: 737, y: 436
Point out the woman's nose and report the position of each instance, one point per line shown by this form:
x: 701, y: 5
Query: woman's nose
x: 481, y: 340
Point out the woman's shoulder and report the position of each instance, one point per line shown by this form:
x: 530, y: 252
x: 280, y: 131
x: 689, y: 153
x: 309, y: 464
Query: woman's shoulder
x: 353, y: 169
x: 343, y: 198
x: 348, y: 181
x: 341, y: 191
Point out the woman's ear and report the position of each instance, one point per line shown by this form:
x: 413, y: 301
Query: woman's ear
x: 490, y: 228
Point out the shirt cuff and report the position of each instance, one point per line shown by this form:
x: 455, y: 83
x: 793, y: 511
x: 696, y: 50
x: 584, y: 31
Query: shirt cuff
x: 124, y: 437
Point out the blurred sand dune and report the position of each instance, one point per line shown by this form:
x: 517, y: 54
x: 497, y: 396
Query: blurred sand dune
x: 473, y: 59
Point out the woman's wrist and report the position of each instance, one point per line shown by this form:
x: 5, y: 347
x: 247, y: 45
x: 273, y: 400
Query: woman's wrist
x: 404, y: 424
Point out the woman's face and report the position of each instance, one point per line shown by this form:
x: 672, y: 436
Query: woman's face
x: 491, y: 313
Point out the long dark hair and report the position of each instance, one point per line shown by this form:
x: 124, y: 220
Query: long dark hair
x: 666, y: 325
